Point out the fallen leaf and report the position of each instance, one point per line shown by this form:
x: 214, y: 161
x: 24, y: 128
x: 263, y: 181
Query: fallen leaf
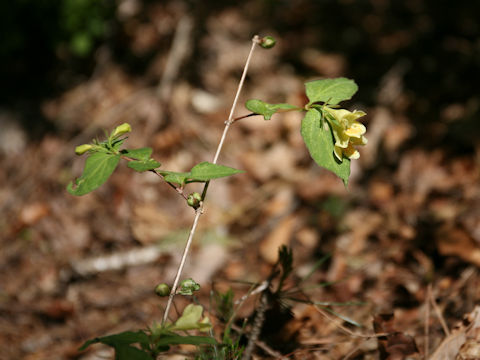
x: 457, y: 242
x: 281, y: 235
x: 470, y: 350
x: 463, y: 341
x: 395, y: 345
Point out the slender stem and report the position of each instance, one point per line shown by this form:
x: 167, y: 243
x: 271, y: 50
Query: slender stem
x: 199, y: 210
x: 230, y: 120
x: 244, y: 116
x: 179, y: 190
x: 255, y: 41
x: 257, y: 327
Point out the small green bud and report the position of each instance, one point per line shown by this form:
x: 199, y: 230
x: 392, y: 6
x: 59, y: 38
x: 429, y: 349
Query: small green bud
x: 162, y: 289
x: 121, y: 129
x: 82, y: 149
x: 188, y: 286
x: 194, y: 199
x: 267, y: 42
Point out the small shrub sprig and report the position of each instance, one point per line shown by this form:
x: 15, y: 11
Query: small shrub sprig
x: 331, y: 135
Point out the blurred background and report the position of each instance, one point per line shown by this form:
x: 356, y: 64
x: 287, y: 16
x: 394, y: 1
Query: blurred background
x: 76, y: 268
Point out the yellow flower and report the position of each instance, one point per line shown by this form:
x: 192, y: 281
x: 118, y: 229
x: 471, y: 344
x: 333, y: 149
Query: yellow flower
x: 82, y: 149
x: 121, y: 129
x: 347, y: 132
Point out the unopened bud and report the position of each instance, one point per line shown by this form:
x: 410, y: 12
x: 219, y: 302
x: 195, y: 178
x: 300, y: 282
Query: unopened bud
x: 82, y: 149
x: 267, y: 42
x: 121, y: 129
x: 162, y: 289
x: 188, y: 286
x: 194, y: 199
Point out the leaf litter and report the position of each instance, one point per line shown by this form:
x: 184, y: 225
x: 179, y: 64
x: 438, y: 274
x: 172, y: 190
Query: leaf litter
x: 409, y: 218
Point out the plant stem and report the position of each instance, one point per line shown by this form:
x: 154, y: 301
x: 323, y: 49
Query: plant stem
x: 256, y: 327
x: 255, y: 41
x: 243, y: 117
x: 199, y: 211
x: 179, y: 190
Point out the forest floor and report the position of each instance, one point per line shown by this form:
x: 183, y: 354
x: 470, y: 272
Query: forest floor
x: 396, y: 253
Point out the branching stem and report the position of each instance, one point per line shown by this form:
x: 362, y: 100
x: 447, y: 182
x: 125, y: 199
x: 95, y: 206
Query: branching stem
x: 179, y: 190
x: 199, y: 211
x: 243, y: 117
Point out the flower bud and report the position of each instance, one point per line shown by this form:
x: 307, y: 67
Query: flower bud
x: 162, y: 289
x: 194, y: 199
x: 121, y: 129
x: 82, y: 149
x: 188, y: 286
x: 267, y: 42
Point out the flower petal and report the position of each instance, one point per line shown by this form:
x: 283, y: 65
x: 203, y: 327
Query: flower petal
x: 341, y: 139
x: 356, y: 130
x: 338, y: 151
x: 359, y: 141
x: 352, y: 116
x: 351, y: 152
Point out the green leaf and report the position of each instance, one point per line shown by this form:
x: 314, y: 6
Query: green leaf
x: 330, y: 91
x: 203, y: 171
x: 177, y: 339
x: 124, y: 338
x: 320, y: 143
x: 206, y: 171
x: 191, y: 319
x: 116, y: 143
x: 224, y: 304
x: 138, y: 154
x: 267, y: 110
x: 174, y: 177
x: 98, y: 168
x: 141, y: 166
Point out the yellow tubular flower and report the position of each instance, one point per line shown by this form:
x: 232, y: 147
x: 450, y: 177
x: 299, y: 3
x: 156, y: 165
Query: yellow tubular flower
x: 347, y: 132
x: 82, y: 149
x: 121, y: 129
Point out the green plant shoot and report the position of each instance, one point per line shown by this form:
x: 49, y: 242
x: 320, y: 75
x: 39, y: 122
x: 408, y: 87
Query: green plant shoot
x: 330, y: 134
x: 103, y: 158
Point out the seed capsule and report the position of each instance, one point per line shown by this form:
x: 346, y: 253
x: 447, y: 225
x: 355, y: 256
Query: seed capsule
x: 267, y: 42
x: 162, y: 289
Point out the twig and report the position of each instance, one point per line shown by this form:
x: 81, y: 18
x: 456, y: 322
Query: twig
x: 264, y: 285
x: 262, y: 345
x: 243, y: 117
x: 199, y: 210
x: 179, y: 190
x: 348, y: 331
x: 179, y: 51
x: 115, y: 261
x: 256, y: 327
x: 239, y: 304
x: 352, y: 352
x: 427, y: 321
x: 438, y: 312
x: 260, y: 316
